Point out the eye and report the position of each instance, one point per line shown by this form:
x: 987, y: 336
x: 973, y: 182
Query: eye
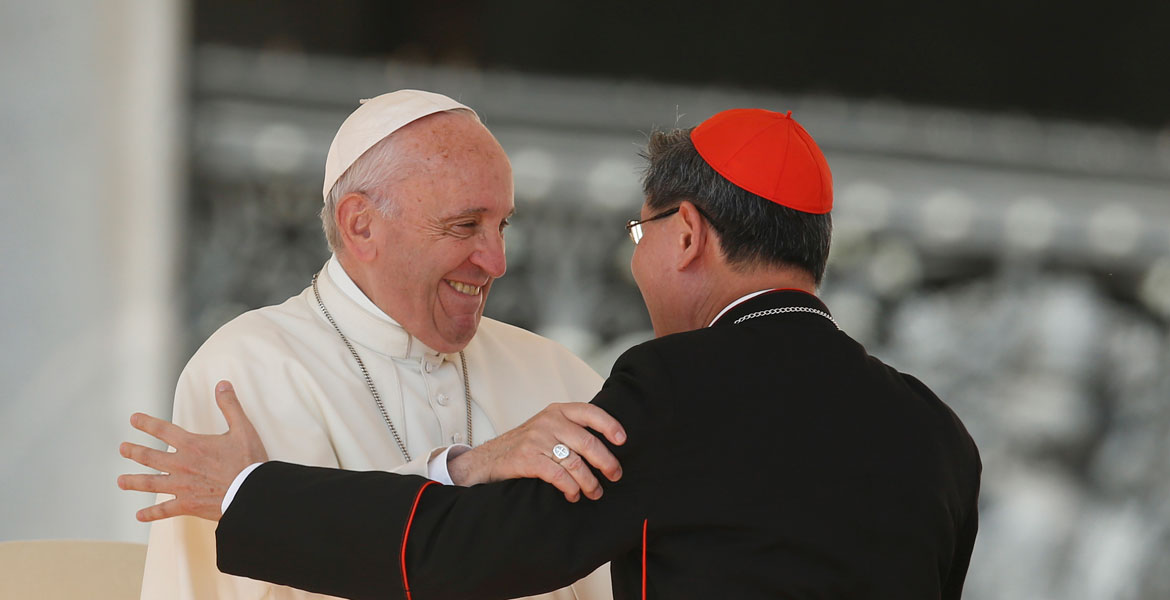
x: 504, y: 224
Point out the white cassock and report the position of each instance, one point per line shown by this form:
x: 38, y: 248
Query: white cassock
x: 307, y: 397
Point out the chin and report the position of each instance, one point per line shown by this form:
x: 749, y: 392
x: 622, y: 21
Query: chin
x: 460, y: 336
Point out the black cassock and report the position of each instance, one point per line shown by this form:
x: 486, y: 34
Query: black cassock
x: 773, y: 458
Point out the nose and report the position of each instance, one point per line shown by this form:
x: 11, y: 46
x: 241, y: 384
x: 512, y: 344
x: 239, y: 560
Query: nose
x: 489, y: 255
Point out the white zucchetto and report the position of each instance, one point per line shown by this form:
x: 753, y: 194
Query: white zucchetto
x: 375, y: 119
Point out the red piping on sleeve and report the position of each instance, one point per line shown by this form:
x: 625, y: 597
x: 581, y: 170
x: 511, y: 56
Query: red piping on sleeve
x: 644, y: 522
x: 406, y: 534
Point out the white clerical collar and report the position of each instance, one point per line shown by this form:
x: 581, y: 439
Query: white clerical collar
x: 414, y: 346
x: 343, y: 282
x: 736, y: 303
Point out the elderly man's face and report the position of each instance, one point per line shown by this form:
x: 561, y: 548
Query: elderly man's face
x: 444, y: 244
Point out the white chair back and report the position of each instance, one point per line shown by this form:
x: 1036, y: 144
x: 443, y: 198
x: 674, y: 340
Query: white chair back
x: 71, y: 569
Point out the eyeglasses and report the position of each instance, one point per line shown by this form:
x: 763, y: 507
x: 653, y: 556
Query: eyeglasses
x: 634, y: 228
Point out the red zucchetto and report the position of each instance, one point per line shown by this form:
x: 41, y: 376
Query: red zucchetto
x: 768, y: 154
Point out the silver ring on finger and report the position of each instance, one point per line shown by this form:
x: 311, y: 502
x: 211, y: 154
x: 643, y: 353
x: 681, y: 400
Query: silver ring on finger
x: 560, y: 452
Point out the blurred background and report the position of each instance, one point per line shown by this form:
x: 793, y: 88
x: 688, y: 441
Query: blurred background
x: 1002, y: 229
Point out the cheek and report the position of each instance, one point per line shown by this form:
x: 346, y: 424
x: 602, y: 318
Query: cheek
x: 635, y: 269
x: 643, y: 274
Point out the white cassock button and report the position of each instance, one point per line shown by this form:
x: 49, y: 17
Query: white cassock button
x: 429, y: 366
x: 441, y: 399
x: 456, y: 438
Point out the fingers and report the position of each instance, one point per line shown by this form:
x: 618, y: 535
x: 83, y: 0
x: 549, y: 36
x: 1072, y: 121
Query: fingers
x: 163, y: 430
x: 148, y: 457
x: 595, y: 418
x: 164, y: 510
x: 157, y: 484
x: 588, y: 445
x: 552, y: 472
x: 229, y: 405
x: 239, y: 426
x: 590, y: 448
x: 526, y: 451
x: 581, y: 474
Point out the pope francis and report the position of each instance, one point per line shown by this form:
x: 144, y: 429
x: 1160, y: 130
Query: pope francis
x: 383, y: 362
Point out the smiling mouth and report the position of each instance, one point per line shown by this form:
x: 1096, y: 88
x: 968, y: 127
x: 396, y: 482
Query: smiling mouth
x: 464, y: 288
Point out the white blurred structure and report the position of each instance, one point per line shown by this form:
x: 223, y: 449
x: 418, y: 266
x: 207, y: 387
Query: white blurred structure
x: 90, y: 169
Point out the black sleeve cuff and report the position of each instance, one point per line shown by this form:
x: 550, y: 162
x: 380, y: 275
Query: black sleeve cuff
x: 294, y: 525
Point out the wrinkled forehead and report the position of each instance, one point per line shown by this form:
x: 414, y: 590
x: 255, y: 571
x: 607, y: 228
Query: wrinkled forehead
x: 447, y: 140
x: 453, y: 175
x: 477, y: 212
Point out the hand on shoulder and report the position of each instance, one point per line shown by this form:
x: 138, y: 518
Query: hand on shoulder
x: 554, y: 446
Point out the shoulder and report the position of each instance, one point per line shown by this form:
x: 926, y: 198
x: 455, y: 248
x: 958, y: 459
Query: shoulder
x: 527, y: 370
x: 260, y: 334
x: 494, y: 331
x: 522, y: 347
x: 274, y: 343
x: 675, y: 350
x: 269, y: 355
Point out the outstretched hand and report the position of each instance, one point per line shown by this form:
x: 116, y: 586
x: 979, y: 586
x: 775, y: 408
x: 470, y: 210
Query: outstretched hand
x: 202, y: 467
x: 527, y: 451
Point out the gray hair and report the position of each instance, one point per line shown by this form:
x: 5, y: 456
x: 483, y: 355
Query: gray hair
x: 369, y: 175
x: 372, y: 174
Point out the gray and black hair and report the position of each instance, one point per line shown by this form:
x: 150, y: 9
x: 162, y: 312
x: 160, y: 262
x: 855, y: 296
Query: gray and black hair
x: 753, y: 231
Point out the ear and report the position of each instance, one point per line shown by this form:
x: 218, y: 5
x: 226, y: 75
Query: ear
x: 355, y: 220
x: 694, y: 238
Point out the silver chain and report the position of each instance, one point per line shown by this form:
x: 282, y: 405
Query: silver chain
x: 786, y: 309
x: 466, y: 396
x: 370, y: 382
